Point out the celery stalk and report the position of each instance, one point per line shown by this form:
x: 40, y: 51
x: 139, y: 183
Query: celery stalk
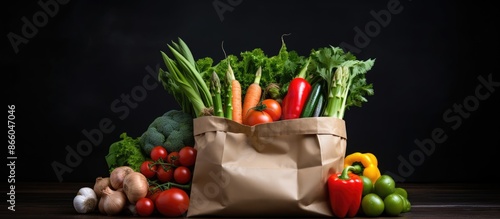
x: 344, y: 75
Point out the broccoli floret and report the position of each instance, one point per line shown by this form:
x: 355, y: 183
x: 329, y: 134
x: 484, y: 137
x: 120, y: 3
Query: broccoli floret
x: 172, y: 130
x: 150, y: 138
x: 179, y: 116
x: 187, y: 127
x: 165, y: 125
x: 175, y: 141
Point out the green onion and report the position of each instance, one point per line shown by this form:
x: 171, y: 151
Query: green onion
x: 183, y: 80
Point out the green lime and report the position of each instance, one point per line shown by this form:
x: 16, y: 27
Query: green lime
x: 367, y: 185
x: 407, y: 206
x: 394, y: 204
x: 401, y: 191
x: 406, y: 203
x: 372, y: 205
x: 384, y: 186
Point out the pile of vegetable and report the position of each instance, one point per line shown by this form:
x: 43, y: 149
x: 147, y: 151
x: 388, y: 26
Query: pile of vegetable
x: 148, y: 174
x: 169, y: 175
x: 113, y: 194
x: 326, y: 82
x: 152, y: 173
x: 172, y: 130
x: 160, y: 186
x: 360, y: 190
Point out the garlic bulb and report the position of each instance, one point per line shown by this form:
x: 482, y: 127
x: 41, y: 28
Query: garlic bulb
x: 85, y: 200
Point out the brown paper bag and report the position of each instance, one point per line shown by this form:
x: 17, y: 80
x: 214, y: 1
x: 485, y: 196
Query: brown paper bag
x: 273, y: 169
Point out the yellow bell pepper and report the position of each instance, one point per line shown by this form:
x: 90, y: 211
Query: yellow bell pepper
x: 366, y: 165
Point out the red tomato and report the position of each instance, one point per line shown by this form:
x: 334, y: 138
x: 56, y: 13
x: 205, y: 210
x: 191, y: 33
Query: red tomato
x: 173, y: 158
x: 148, y: 169
x: 153, y: 193
x: 187, y: 156
x: 158, y: 152
x: 165, y: 174
x: 144, y: 206
x: 172, y: 202
x: 182, y: 175
x: 273, y: 108
x: 258, y: 117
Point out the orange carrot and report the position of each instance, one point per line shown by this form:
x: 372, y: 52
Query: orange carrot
x: 253, y: 95
x: 236, y: 96
x: 237, y: 108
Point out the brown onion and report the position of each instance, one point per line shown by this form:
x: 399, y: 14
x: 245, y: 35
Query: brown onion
x: 100, y: 184
x: 100, y: 206
x: 117, y: 175
x: 112, y: 202
x: 135, y: 186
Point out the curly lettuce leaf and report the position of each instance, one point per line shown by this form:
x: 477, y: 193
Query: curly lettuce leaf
x: 125, y: 152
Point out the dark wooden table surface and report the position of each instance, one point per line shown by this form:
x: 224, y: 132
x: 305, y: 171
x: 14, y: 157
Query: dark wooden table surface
x: 429, y: 200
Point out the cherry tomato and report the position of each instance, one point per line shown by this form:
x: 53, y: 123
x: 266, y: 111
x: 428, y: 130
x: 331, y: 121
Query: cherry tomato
x: 165, y: 174
x: 144, y: 206
x: 172, y: 202
x: 182, y: 174
x: 273, y: 108
x: 255, y: 117
x: 173, y: 158
x: 158, y: 152
x: 148, y: 169
x: 187, y: 156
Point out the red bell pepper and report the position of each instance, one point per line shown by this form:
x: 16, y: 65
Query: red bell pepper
x: 297, y: 94
x: 345, y: 190
x: 283, y: 103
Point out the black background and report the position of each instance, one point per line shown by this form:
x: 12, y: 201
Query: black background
x: 429, y: 56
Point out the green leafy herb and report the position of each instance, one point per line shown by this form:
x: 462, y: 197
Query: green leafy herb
x: 125, y: 152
